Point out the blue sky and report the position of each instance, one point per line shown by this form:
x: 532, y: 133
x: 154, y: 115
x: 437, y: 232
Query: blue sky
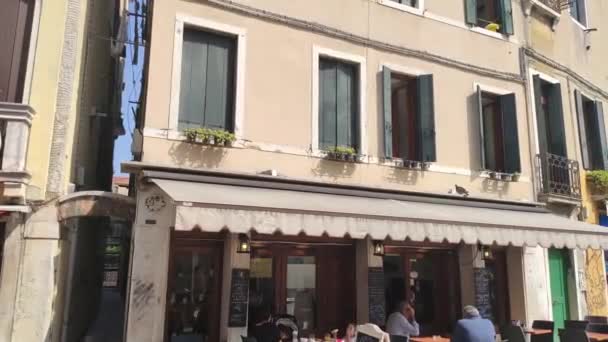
x: 132, y: 80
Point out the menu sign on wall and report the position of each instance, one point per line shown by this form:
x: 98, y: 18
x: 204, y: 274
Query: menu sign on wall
x: 239, y: 294
x: 483, y: 295
x: 375, y: 282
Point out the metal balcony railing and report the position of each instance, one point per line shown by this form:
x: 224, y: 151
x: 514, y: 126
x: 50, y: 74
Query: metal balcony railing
x: 559, y: 176
x: 557, y: 5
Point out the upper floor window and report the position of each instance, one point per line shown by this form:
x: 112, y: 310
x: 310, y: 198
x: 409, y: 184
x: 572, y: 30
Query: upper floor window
x: 493, y: 15
x: 578, y: 11
x: 338, y: 104
x: 409, y: 118
x: 411, y: 3
x: 207, y: 84
x: 549, y: 117
x: 15, y: 25
x: 498, y: 132
x: 592, y: 132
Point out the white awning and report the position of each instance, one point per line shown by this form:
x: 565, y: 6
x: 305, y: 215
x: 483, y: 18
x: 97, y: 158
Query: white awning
x: 240, y: 209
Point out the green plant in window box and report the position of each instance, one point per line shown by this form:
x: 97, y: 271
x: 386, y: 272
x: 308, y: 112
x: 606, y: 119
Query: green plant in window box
x: 506, y: 177
x: 345, y: 153
x: 202, y: 135
x: 515, y: 176
x: 599, y: 180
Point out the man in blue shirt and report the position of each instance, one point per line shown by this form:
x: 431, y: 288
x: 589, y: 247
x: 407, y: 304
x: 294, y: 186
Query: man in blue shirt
x: 473, y: 328
x: 403, y: 322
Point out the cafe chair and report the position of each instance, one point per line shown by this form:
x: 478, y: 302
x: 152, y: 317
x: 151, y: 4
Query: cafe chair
x: 569, y: 324
x: 597, y: 319
x: 512, y: 333
x: 601, y: 328
x: 573, y: 335
x: 543, y: 325
x: 372, y: 331
x: 397, y: 338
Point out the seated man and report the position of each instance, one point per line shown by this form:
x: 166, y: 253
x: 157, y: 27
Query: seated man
x: 265, y: 330
x: 403, y: 322
x: 473, y: 328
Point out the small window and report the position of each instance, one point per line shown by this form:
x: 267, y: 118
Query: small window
x: 498, y: 131
x: 207, y: 80
x: 578, y: 11
x: 493, y: 15
x: 409, y: 117
x: 592, y: 132
x: 338, y: 104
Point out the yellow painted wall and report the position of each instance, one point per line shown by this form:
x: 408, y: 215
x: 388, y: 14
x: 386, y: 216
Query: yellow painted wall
x: 596, y: 295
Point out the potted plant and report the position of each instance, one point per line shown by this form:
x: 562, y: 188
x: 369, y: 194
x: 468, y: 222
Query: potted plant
x: 191, y: 134
x: 515, y: 176
x: 492, y: 174
x: 505, y: 177
x: 599, y: 182
x: 343, y: 153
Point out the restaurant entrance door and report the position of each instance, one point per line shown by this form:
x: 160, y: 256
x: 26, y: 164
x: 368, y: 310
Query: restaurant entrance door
x: 314, y: 282
x: 194, y: 290
x: 426, y: 278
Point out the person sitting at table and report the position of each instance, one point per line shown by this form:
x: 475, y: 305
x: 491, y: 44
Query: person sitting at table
x: 473, y: 328
x: 265, y: 330
x: 403, y: 322
x: 351, y: 333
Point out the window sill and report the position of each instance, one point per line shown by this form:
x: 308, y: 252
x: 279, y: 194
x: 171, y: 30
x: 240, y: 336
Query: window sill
x: 489, y: 33
x: 405, y: 8
x: 544, y: 9
x: 579, y: 24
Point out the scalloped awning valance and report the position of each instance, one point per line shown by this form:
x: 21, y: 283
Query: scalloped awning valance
x: 240, y: 209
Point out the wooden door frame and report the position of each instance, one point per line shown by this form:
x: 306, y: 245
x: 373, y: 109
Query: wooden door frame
x: 201, y: 242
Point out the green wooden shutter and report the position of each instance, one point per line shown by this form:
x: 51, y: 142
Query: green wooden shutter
x: 557, y: 133
x: 426, y: 118
x: 507, y: 17
x: 510, y: 134
x: 582, y: 129
x: 193, y: 80
x: 218, y: 108
x: 541, y: 116
x: 599, y: 109
x: 327, y: 103
x: 471, y: 12
x: 388, y: 112
x: 482, y: 139
x: 346, y: 105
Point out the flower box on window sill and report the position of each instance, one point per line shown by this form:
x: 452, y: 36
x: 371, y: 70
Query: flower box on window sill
x: 412, y: 164
x: 211, y: 137
x: 505, y: 177
x: 598, y: 184
x: 346, y: 154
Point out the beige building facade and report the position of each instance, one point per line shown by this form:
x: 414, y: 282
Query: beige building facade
x: 435, y: 102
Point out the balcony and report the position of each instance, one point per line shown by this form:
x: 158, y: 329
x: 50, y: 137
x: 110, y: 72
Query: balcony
x: 549, y: 8
x: 15, y: 123
x: 559, y: 179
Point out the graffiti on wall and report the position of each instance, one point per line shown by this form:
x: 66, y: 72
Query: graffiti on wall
x: 595, y: 295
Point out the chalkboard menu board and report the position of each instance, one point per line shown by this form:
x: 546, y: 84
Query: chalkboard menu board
x: 239, y: 294
x: 483, y: 292
x: 361, y: 337
x: 375, y: 283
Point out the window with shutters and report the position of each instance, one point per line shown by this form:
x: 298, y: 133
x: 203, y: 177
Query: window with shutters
x: 207, y: 82
x: 549, y: 117
x: 493, y: 15
x: 408, y: 116
x: 338, y: 104
x: 498, y: 132
x: 578, y: 11
x: 413, y: 6
x: 592, y: 132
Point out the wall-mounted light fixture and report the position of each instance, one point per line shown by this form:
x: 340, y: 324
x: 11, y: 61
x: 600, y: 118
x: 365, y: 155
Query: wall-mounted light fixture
x: 378, y: 248
x: 486, y: 252
x: 244, y: 244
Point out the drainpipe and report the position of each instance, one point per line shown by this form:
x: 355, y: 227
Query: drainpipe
x: 73, y: 238
x: 63, y: 107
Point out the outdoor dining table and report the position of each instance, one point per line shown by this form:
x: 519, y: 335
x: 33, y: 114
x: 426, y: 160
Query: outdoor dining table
x: 429, y: 339
x: 597, y: 337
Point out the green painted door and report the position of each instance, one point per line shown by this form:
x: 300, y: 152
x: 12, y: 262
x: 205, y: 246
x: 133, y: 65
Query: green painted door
x: 559, y: 287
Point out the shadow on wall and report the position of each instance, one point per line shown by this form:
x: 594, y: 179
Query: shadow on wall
x: 403, y: 176
x: 495, y: 187
x: 194, y: 155
x: 334, y: 169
